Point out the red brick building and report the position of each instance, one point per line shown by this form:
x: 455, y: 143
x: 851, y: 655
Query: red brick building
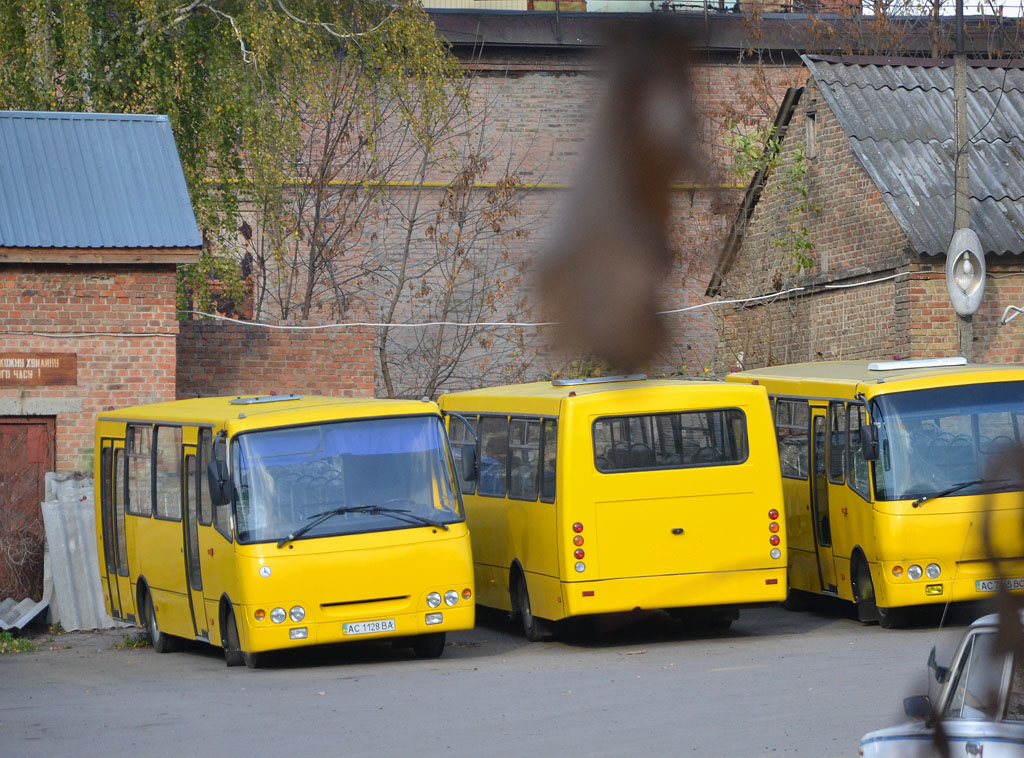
x: 94, y: 218
x: 844, y: 241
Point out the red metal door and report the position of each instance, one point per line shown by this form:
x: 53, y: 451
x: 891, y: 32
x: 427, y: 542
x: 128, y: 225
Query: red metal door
x: 27, y: 446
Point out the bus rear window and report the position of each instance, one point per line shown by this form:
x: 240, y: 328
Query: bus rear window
x: 670, y: 440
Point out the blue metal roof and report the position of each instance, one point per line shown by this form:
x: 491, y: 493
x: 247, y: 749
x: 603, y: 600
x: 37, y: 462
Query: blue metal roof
x: 92, y: 180
x: 899, y: 120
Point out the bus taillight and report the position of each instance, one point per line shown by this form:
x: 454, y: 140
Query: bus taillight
x: 577, y: 527
x: 773, y: 527
x: 773, y: 514
x: 775, y: 539
x: 579, y: 553
x: 577, y: 540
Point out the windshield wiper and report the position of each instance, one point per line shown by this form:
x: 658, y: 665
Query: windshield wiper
x: 398, y: 513
x: 955, y: 488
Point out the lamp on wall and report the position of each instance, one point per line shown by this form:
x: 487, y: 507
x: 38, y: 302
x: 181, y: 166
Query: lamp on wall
x: 965, y: 272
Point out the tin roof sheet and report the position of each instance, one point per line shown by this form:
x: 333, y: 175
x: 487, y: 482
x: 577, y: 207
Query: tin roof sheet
x: 92, y: 180
x: 899, y: 119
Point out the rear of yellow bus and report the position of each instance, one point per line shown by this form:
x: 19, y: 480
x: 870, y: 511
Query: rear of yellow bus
x: 670, y: 497
x: 948, y: 500
x: 346, y: 528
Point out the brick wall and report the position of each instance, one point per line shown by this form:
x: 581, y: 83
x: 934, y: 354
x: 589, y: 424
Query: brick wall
x: 119, y: 322
x: 217, y: 358
x: 856, y: 239
x: 541, y: 108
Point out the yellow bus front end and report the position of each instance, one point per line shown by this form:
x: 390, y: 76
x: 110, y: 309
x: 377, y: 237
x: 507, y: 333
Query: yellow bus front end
x: 902, y: 480
x: 398, y: 584
x: 275, y: 522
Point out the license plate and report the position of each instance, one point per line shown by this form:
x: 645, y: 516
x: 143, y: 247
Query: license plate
x: 368, y: 627
x: 991, y: 585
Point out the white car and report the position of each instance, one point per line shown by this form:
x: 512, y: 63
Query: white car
x: 980, y: 708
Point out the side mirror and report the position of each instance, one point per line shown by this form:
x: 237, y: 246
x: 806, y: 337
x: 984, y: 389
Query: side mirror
x: 869, y: 441
x: 217, y: 475
x: 917, y: 707
x: 940, y: 672
x: 469, y: 467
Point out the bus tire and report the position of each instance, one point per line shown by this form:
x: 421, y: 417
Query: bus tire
x: 864, y: 592
x: 233, y: 655
x: 893, y: 618
x: 428, y: 645
x: 161, y: 642
x: 532, y: 629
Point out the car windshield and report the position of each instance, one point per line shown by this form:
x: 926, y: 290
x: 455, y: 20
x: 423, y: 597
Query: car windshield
x: 342, y: 478
x: 935, y: 440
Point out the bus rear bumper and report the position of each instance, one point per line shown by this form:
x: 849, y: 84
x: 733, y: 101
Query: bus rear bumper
x: 724, y: 588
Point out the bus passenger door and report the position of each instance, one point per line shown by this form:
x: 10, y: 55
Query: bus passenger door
x: 190, y: 526
x: 819, y: 501
x: 111, y: 526
x: 121, y: 598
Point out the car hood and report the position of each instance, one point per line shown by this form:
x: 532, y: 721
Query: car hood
x: 914, y: 739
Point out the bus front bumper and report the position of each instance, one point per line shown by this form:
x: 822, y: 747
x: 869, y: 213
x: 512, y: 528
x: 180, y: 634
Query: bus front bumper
x: 265, y: 635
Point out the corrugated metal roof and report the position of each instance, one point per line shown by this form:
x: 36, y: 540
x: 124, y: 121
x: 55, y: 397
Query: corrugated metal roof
x: 899, y: 119
x: 92, y: 180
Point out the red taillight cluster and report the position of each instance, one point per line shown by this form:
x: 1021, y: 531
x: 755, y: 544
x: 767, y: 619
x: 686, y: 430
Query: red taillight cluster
x: 773, y: 527
x: 578, y: 553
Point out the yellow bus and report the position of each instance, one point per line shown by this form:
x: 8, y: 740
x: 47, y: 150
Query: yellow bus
x: 262, y: 523
x: 889, y: 473
x: 594, y: 496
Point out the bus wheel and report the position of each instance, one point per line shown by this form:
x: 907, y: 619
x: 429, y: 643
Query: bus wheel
x: 162, y: 643
x: 864, y: 593
x: 531, y: 625
x: 428, y: 645
x: 233, y: 655
x: 892, y: 618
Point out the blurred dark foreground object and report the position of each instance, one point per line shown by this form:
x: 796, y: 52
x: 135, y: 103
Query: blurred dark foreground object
x: 610, y: 252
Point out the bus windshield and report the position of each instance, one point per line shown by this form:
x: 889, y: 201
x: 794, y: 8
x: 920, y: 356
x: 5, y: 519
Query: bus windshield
x: 948, y: 438
x: 343, y: 477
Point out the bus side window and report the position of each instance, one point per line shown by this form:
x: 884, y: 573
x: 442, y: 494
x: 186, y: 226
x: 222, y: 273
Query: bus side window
x: 460, y: 437
x: 549, y: 455
x: 524, y: 458
x: 493, y: 455
x: 139, y: 444
x: 203, y: 502
x: 120, y: 482
x: 168, y: 472
x: 791, y: 430
x: 857, y: 466
x: 837, y: 443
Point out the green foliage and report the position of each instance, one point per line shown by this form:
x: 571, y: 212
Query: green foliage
x: 11, y: 644
x: 132, y: 641
x: 230, y: 75
x: 583, y: 368
x: 759, y: 149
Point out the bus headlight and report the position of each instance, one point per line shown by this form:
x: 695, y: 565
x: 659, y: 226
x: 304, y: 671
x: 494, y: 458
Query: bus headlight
x: 914, y: 572
x: 297, y: 613
x: 932, y: 571
x: 278, y: 615
x: 434, y: 599
x: 451, y: 597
